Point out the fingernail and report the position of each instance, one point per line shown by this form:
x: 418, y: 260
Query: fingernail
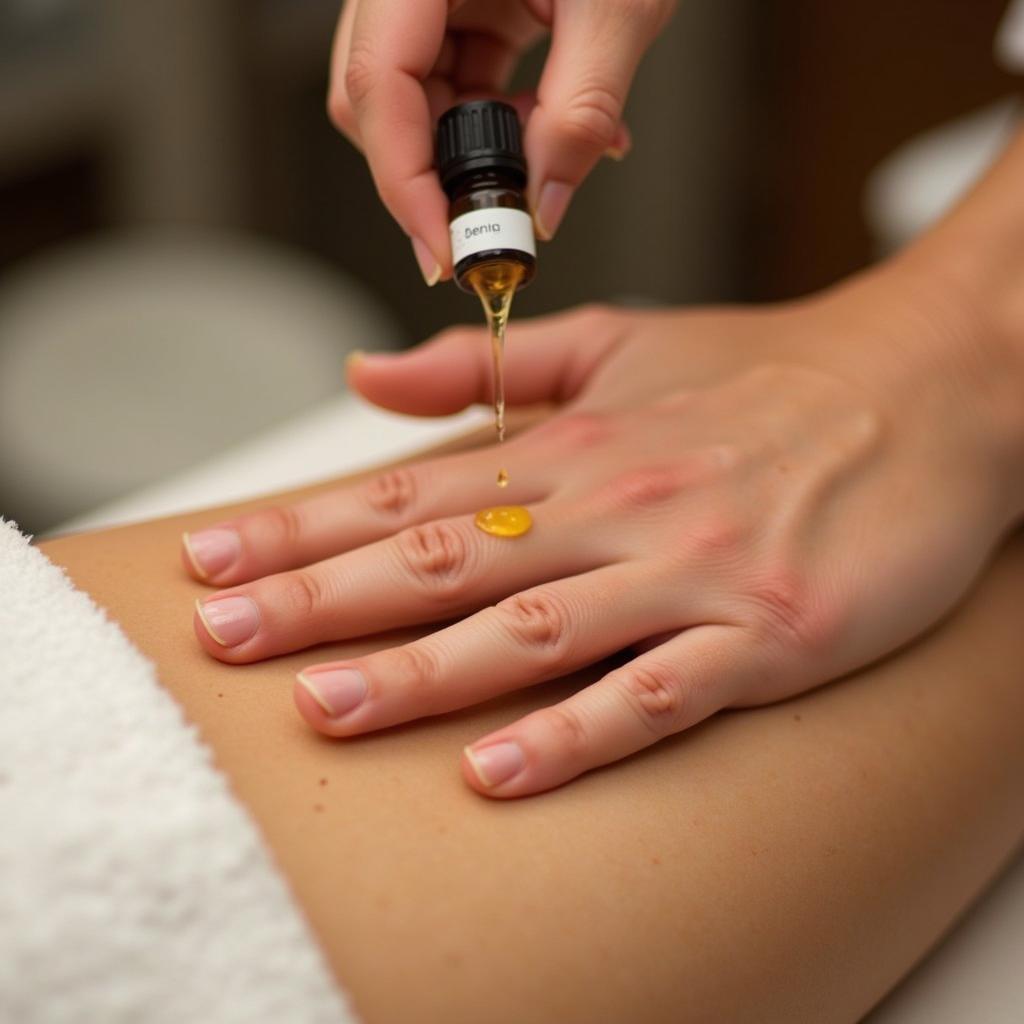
x: 229, y: 620
x: 615, y: 153
x: 336, y: 690
x: 356, y: 356
x: 429, y: 267
x: 212, y: 551
x: 497, y: 763
x: 551, y: 207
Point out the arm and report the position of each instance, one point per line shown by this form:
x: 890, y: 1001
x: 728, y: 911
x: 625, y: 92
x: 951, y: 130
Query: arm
x: 781, y: 864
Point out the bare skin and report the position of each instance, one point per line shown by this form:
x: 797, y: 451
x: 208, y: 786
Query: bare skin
x: 776, y: 864
x: 757, y: 501
x: 857, y: 458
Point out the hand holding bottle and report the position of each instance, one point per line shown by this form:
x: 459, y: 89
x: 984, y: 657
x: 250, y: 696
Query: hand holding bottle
x: 397, y: 66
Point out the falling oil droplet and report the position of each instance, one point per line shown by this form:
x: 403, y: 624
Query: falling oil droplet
x: 503, y: 477
x: 504, y: 520
x: 495, y: 284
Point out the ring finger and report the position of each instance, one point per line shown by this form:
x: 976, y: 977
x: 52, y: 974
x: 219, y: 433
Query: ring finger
x: 535, y: 635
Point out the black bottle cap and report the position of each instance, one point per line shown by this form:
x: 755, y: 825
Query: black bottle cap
x: 478, y: 136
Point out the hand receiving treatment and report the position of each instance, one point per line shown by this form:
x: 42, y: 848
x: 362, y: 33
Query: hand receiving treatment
x: 398, y: 65
x: 755, y: 502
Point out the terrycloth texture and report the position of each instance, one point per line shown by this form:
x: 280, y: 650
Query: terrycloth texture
x: 133, y: 887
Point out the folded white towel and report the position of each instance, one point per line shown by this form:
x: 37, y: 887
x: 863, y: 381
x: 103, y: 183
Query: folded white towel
x: 133, y: 886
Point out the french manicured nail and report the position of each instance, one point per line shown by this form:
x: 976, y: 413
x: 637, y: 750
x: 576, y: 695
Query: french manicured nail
x: 212, y: 551
x: 336, y: 690
x: 229, y: 620
x: 497, y: 763
x: 551, y: 206
x: 429, y: 267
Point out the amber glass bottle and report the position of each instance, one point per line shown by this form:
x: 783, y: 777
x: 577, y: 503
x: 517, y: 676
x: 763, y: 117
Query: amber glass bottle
x: 483, y: 172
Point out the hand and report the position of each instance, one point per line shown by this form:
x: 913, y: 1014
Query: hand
x: 397, y: 66
x: 758, y: 501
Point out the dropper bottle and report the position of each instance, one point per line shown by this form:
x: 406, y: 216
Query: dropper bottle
x: 483, y: 172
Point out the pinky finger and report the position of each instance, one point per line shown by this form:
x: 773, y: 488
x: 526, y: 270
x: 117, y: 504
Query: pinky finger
x: 663, y: 691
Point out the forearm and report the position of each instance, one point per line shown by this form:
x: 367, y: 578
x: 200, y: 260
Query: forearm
x: 971, y: 268
x: 979, y: 246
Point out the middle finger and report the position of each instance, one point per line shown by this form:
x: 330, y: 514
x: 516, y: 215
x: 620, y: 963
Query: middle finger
x: 425, y: 573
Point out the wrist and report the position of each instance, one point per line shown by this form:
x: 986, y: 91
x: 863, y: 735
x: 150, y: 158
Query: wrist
x: 975, y: 293
x: 922, y: 335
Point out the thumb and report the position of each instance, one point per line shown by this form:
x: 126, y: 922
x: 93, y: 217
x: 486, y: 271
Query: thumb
x: 549, y: 359
x: 596, y: 46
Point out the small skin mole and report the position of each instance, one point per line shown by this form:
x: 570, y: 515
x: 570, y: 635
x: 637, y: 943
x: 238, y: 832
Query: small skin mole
x: 655, y: 860
x: 318, y: 807
x: 798, y: 718
x: 220, y: 694
x: 323, y: 782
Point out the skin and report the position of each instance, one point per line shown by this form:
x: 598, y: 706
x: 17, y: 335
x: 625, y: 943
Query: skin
x: 757, y: 501
x: 775, y: 864
x: 397, y: 66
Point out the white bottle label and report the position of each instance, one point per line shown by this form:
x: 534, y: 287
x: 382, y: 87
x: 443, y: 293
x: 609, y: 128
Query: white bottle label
x: 496, y: 228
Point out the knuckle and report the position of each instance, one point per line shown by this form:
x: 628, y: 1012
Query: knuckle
x: 284, y: 523
x: 540, y: 622
x: 654, y: 694
x: 392, y: 493
x: 571, y: 734
x: 390, y: 191
x: 786, y: 611
x: 591, y: 117
x: 714, y: 540
x: 638, y: 489
x: 436, y: 557
x: 301, y: 593
x: 360, y: 74
x: 417, y: 667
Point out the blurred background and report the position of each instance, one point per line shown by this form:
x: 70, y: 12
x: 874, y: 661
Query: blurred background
x: 188, y: 250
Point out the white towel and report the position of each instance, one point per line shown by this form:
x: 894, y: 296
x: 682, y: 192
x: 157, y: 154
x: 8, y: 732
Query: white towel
x: 133, y: 886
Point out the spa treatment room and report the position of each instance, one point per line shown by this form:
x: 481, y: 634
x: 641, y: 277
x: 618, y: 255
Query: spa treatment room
x: 511, y: 511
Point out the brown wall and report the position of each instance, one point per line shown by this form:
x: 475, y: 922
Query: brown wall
x: 837, y: 87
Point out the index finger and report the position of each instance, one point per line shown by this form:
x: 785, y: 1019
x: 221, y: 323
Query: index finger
x: 393, y: 48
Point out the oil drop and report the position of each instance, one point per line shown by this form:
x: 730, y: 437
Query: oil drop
x: 504, y: 520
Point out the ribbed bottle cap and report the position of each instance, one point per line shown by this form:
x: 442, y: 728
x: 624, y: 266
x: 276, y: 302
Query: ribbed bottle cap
x: 478, y: 136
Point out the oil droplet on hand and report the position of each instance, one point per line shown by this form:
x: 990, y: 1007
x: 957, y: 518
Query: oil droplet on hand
x: 504, y: 520
x: 503, y: 477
